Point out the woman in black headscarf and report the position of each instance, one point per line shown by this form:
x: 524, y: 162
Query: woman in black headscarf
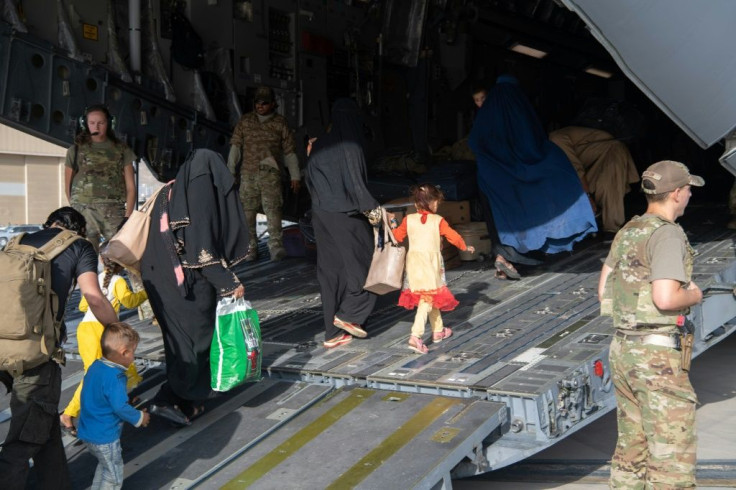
x: 197, y: 234
x: 336, y: 179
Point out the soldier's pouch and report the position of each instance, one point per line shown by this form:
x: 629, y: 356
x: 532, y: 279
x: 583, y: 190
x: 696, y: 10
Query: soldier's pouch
x: 686, y: 352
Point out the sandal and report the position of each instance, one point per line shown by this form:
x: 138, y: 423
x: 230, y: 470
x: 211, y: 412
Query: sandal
x: 191, y: 410
x: 441, y: 335
x: 342, y: 339
x: 506, y: 267
x: 352, y: 328
x: 418, y: 346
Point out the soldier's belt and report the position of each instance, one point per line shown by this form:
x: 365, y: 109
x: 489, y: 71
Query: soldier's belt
x: 660, y: 339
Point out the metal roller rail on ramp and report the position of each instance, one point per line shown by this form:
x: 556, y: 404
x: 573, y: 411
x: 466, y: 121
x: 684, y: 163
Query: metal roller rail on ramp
x: 527, y: 366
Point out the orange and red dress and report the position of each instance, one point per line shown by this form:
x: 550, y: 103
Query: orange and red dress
x: 425, y: 269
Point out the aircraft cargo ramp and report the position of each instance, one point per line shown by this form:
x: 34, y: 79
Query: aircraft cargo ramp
x: 527, y: 366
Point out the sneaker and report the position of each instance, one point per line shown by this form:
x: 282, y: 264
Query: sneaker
x: 352, y: 328
x: 252, y: 254
x: 341, y: 339
x: 278, y: 254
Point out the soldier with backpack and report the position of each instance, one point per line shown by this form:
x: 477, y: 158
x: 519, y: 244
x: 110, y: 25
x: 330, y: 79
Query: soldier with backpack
x: 39, y: 272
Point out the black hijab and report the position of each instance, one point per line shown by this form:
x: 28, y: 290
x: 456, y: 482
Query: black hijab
x: 205, y: 213
x: 336, y: 169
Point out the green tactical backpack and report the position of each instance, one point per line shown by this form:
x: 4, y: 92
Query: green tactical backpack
x: 29, y: 331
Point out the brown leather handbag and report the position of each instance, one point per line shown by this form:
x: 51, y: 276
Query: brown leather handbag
x: 387, y: 267
x: 127, y: 246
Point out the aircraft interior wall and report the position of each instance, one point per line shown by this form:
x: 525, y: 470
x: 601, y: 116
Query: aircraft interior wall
x: 312, y: 52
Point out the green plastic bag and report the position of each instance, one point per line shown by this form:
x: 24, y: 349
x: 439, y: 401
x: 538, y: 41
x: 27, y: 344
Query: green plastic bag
x: 236, y: 351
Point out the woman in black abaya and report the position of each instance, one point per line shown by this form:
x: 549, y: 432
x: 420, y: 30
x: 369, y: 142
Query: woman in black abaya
x: 336, y: 179
x: 197, y: 233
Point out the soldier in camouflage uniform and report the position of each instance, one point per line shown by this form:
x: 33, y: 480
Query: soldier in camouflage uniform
x: 645, y: 285
x: 99, y: 176
x: 263, y: 141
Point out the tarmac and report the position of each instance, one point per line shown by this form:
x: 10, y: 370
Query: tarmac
x: 581, y: 460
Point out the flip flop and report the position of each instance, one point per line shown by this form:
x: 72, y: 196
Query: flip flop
x: 172, y: 414
x: 352, y: 328
x: 419, y: 346
x: 192, y: 411
x: 508, y: 269
x: 441, y: 335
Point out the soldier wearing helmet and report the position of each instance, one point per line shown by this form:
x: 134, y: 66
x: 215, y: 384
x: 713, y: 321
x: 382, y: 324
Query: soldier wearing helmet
x: 261, y: 147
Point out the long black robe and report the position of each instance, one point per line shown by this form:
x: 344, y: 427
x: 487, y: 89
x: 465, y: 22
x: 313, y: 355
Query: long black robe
x: 336, y: 179
x: 208, y: 227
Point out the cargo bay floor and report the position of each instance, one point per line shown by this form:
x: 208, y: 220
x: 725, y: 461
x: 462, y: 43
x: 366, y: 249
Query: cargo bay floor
x: 374, y: 414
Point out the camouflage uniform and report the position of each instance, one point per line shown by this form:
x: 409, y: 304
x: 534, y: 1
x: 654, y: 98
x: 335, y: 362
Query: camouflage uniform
x: 655, y: 400
x: 98, y: 186
x: 264, y: 143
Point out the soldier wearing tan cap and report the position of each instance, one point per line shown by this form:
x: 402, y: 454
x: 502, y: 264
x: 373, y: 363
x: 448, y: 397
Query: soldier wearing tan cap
x: 646, y: 285
x: 261, y: 146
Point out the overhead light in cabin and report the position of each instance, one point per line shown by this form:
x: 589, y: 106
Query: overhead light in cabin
x: 591, y: 70
x: 528, y: 50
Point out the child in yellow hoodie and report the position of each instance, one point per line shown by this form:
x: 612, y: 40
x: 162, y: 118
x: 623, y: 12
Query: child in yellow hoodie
x: 89, y: 334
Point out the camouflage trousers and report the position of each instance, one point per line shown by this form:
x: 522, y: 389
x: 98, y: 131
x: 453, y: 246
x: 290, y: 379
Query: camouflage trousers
x: 103, y: 219
x: 656, y: 418
x: 262, y: 188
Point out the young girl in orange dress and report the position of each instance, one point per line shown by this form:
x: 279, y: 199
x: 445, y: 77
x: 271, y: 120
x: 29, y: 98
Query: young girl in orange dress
x: 425, y: 287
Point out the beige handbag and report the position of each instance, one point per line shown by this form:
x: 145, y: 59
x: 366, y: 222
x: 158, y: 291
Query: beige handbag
x: 387, y: 267
x: 127, y: 246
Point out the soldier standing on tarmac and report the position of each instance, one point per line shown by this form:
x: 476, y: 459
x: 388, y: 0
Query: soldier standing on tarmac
x: 99, y: 176
x: 645, y: 284
x: 264, y: 142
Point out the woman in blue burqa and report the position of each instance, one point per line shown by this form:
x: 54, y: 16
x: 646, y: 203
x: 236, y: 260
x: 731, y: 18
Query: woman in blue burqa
x: 535, y: 196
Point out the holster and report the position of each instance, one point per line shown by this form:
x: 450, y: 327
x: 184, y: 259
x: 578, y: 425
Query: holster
x: 686, y: 350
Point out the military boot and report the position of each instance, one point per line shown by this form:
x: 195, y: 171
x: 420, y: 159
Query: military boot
x: 252, y: 253
x: 278, y: 253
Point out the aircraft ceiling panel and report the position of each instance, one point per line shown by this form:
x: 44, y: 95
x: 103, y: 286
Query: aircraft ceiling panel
x: 678, y: 52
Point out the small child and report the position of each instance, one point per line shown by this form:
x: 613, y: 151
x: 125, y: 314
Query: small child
x: 105, y: 404
x: 425, y: 287
x: 479, y: 96
x: 89, y: 332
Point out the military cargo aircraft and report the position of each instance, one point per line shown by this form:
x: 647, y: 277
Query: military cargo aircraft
x: 528, y: 365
